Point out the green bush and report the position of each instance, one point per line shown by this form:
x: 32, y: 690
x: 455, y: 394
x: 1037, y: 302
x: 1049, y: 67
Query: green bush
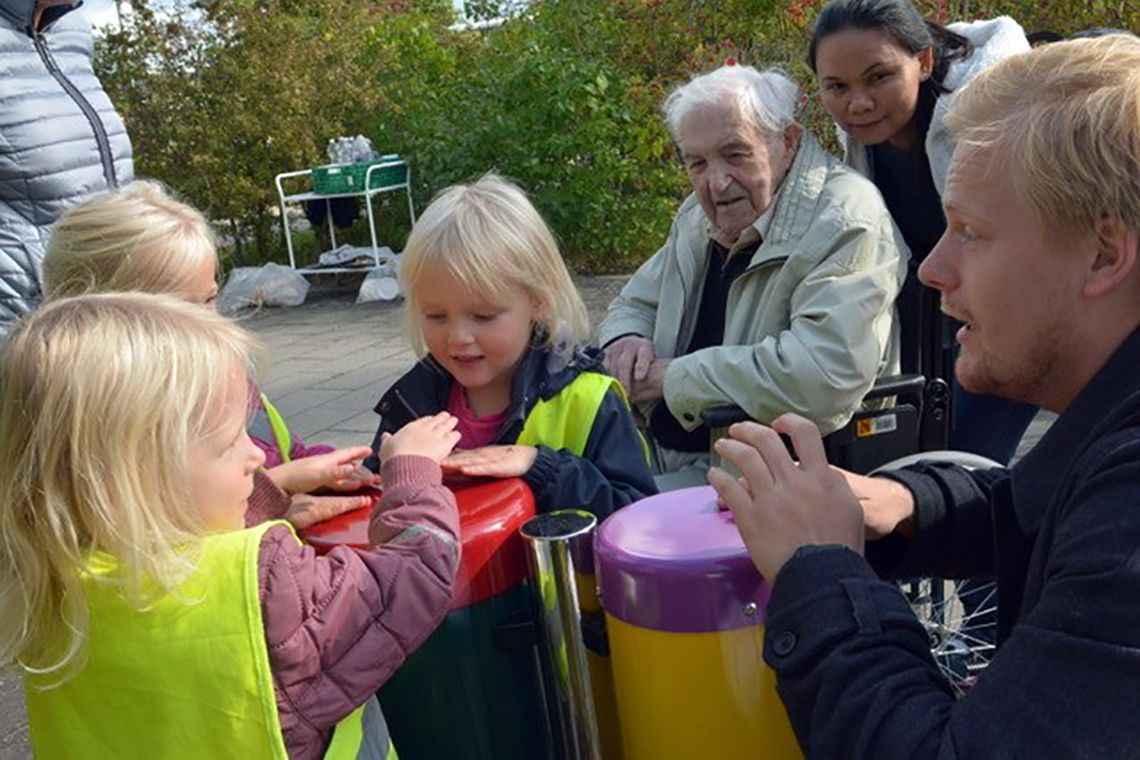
x: 220, y: 97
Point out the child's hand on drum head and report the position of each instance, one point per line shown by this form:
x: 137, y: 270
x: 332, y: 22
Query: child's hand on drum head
x: 433, y: 437
x: 337, y: 470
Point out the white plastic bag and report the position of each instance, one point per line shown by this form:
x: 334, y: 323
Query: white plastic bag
x: 349, y: 150
x: 268, y: 285
x: 382, y: 283
x: 347, y: 255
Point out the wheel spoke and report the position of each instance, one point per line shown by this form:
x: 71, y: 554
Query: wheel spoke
x: 960, y: 622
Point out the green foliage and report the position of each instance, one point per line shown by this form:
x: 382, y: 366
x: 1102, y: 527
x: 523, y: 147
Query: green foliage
x: 219, y: 97
x: 563, y: 97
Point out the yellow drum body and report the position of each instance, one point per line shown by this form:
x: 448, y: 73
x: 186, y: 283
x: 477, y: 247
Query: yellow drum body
x: 684, y: 619
x: 697, y: 695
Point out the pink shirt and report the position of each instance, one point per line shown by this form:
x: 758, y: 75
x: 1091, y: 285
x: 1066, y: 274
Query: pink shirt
x: 474, y: 431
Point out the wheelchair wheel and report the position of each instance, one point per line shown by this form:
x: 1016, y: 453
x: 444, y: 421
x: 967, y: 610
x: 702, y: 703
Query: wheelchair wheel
x: 960, y: 618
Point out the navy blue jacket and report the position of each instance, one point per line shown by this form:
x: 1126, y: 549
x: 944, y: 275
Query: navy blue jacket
x: 611, y: 473
x: 1061, y: 531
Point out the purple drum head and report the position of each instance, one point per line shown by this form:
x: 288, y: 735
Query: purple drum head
x: 674, y: 562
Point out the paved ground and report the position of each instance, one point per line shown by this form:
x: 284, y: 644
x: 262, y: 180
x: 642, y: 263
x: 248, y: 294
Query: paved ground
x: 327, y: 363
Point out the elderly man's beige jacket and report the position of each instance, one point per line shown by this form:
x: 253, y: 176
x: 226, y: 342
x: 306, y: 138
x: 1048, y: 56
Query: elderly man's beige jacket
x: 809, y: 325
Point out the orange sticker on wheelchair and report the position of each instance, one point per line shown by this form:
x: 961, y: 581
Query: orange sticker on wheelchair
x: 870, y: 426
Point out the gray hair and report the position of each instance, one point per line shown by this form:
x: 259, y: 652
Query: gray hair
x: 766, y: 99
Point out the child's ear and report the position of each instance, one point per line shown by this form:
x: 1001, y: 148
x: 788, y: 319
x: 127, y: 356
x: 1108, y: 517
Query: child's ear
x: 539, y: 311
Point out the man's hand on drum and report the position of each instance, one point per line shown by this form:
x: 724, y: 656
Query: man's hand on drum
x: 888, y: 506
x: 782, y: 504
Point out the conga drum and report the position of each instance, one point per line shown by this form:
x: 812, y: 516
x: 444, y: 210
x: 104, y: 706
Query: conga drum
x: 474, y: 688
x: 684, y: 612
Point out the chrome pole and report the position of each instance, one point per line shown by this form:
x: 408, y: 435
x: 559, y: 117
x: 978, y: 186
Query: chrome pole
x: 549, y: 538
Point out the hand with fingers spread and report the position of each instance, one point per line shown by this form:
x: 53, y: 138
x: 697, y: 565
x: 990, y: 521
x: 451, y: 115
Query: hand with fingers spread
x: 338, y: 470
x: 628, y: 359
x: 791, y: 504
x: 307, y: 509
x: 433, y: 437
x: 492, y: 461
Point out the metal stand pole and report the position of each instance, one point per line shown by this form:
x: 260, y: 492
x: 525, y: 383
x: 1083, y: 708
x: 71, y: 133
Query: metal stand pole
x: 570, y: 697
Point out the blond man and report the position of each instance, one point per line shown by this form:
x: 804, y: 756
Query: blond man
x: 1040, y: 264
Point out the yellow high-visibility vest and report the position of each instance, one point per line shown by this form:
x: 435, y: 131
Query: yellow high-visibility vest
x: 267, y: 424
x: 565, y: 421
x: 188, y: 676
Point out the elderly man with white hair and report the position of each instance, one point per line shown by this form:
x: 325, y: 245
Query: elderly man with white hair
x: 775, y: 289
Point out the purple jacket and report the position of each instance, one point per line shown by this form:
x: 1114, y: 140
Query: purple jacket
x: 338, y: 626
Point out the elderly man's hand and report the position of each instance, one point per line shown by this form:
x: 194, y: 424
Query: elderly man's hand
x: 652, y: 387
x: 791, y: 504
x: 628, y: 359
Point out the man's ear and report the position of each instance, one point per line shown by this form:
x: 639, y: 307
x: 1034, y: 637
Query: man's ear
x: 1115, y: 259
x: 792, y: 134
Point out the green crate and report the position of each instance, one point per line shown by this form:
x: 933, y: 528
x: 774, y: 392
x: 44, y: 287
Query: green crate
x: 349, y: 178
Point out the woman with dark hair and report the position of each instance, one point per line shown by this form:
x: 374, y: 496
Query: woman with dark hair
x: 887, y: 77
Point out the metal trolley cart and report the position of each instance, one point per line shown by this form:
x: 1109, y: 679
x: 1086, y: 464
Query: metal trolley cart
x: 366, y: 180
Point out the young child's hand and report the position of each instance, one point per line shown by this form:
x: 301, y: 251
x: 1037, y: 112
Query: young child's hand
x: 433, y: 437
x: 306, y: 509
x: 338, y: 470
x: 492, y: 461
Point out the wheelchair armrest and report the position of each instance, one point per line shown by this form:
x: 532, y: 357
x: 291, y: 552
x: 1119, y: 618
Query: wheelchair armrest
x: 907, y: 386
x: 723, y: 416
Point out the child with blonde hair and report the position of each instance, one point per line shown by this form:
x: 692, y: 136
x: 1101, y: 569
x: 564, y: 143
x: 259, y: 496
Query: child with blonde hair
x: 139, y: 237
x: 491, y: 304
x: 147, y: 622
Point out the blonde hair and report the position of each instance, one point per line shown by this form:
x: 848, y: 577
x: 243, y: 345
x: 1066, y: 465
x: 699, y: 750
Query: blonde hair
x: 101, y: 397
x: 137, y: 237
x: 490, y: 237
x: 1065, y: 118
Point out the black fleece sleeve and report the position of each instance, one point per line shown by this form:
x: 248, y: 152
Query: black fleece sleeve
x: 954, y: 524
x: 854, y: 671
x: 612, y: 472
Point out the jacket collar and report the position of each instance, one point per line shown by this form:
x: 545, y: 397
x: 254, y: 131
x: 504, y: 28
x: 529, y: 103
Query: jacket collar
x: 800, y: 191
x: 795, y: 206
x: 21, y: 12
x: 1109, y: 402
